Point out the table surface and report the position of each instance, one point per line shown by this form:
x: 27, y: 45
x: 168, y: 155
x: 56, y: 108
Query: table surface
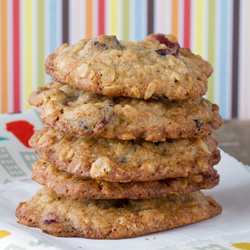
x: 234, y: 138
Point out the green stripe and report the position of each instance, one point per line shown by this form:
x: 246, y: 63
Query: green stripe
x: 40, y: 43
x: 126, y: 20
x: 211, y: 48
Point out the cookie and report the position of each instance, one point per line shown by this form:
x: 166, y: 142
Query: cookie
x: 125, y: 161
x: 155, y: 67
x: 113, y: 219
x: 75, y: 111
x: 65, y: 184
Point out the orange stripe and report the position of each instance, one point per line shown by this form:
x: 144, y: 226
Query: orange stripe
x: 4, y: 60
x: 175, y: 18
x: 89, y: 17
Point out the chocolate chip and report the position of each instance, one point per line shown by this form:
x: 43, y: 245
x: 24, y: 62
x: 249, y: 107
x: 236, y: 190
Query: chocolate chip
x: 164, y: 52
x: 123, y: 160
x: 160, y: 96
x: 169, y: 140
x: 83, y: 124
x: 198, y: 124
x: 111, y: 104
x: 156, y: 143
x: 121, y: 203
x: 102, y: 46
x: 73, y: 228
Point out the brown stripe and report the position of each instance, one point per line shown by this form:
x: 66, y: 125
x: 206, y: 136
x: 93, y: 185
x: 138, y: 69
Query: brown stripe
x: 65, y: 21
x: 235, y: 69
x: 150, y: 16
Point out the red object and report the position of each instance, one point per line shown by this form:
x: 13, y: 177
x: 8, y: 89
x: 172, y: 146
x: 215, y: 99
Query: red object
x: 22, y: 130
x: 187, y: 21
x: 101, y: 13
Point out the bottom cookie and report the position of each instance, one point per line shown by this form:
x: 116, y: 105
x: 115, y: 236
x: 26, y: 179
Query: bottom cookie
x: 113, y: 219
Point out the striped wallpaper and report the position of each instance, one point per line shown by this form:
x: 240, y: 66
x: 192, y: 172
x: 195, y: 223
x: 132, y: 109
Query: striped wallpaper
x: 218, y: 30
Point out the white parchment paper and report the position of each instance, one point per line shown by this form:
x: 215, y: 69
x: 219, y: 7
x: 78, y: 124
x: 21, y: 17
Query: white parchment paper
x: 233, y: 193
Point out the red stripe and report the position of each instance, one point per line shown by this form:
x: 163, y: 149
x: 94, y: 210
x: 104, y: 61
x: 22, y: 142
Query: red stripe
x: 187, y: 22
x: 101, y: 13
x: 16, y: 56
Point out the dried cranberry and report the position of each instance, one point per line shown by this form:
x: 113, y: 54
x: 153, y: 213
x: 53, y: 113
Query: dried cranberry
x: 104, y: 122
x: 162, y: 39
x: 50, y: 221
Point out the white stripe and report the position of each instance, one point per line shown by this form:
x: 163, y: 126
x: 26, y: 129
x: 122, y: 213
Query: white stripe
x: 22, y: 55
x: 244, y: 64
x: 132, y: 21
x: 120, y: 19
x: 107, y: 17
x: 193, y: 26
x: 0, y: 61
x: 10, y: 55
x: 205, y: 29
x: 59, y: 22
x: 95, y: 18
x: 230, y: 61
x: 75, y: 21
x: 163, y: 16
x: 47, y: 22
x: 217, y: 54
x: 144, y: 18
x: 34, y: 44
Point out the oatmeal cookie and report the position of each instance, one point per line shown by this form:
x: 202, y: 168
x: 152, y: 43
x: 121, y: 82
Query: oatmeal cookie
x: 75, y: 111
x: 154, y: 67
x: 125, y: 161
x: 113, y: 219
x: 68, y: 185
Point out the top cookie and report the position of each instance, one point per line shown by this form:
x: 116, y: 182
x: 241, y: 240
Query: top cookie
x: 155, y: 67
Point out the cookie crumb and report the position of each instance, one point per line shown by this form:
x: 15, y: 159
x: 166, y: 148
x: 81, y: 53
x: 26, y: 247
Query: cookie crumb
x: 146, y: 238
x: 154, y: 238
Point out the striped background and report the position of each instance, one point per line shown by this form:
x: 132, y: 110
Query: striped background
x: 216, y: 29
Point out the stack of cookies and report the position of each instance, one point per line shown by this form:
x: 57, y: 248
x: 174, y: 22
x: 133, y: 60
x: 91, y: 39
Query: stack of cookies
x: 127, y: 144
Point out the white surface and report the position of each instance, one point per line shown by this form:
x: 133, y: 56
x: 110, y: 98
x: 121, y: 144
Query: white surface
x: 233, y: 193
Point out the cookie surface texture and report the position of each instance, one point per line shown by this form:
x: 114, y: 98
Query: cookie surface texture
x: 125, y: 161
x: 65, y: 184
x: 75, y: 111
x: 113, y: 219
x: 155, y: 67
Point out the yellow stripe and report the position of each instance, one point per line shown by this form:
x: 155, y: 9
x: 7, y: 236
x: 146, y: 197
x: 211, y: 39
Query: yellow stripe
x: 113, y: 10
x: 199, y: 26
x: 28, y: 51
x: 4, y: 56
